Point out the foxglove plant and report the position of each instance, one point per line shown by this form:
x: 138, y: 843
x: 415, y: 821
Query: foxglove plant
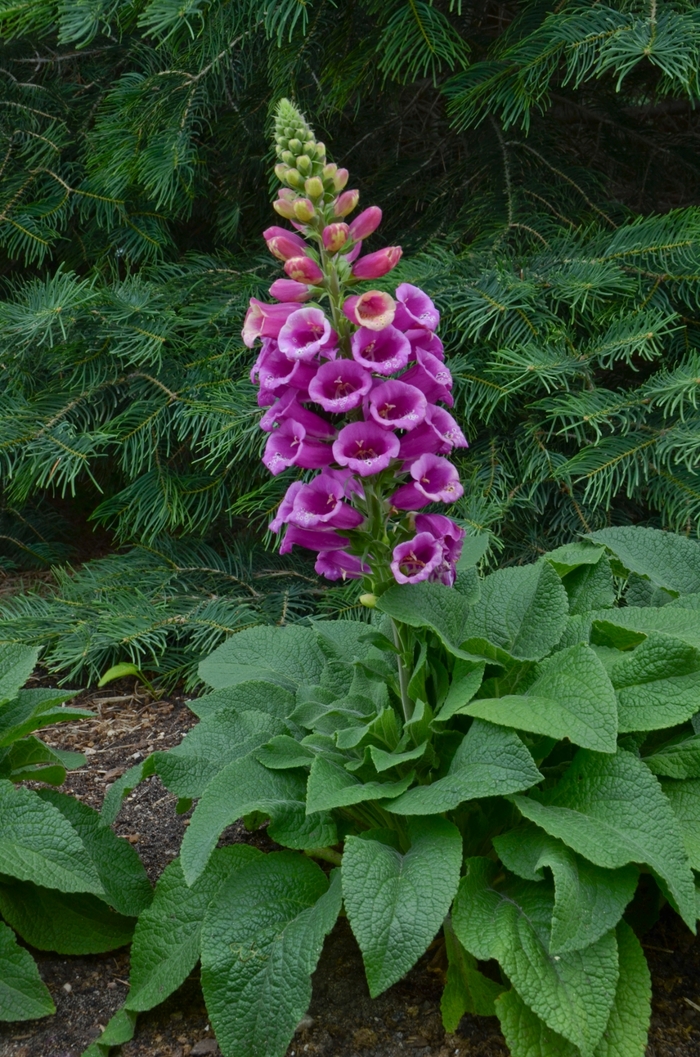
x: 506, y: 767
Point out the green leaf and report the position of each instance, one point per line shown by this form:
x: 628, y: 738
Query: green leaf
x: 23, y: 995
x: 612, y: 810
x: 658, y: 684
x: 17, y: 663
x: 331, y: 786
x: 33, y: 709
x: 38, y: 844
x: 124, y: 785
x: 166, y: 945
x: 668, y: 560
x: 574, y: 555
x: 261, y: 940
x: 433, y: 606
x: 30, y: 759
x: 466, y: 989
x: 282, y: 752
x: 490, y: 761
x: 588, y: 900
x: 571, y: 697
x: 522, y: 611
x: 254, y: 695
x: 625, y: 627
x: 573, y: 991
x: 396, y: 903
x: 118, y: 671
x: 627, y: 1030
x: 525, y: 1034
x: 473, y: 549
x: 126, y: 886
x: 383, y: 760
x: 289, y: 656
x: 220, y: 738
x: 244, y: 787
x: 590, y: 587
x: 66, y: 923
x: 120, y: 1029
x: 684, y: 798
x: 678, y: 758
x: 466, y: 680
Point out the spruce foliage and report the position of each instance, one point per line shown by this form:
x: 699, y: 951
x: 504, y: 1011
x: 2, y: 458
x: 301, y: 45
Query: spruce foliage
x: 538, y: 163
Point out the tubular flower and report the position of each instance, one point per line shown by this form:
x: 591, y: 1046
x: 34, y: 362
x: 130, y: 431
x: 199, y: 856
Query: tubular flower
x: 339, y: 565
x: 265, y: 321
x: 417, y: 559
x: 384, y: 351
x: 312, y: 539
x: 284, y: 244
x: 288, y: 406
x: 291, y: 445
x: 395, y: 405
x: 365, y: 448
x: 367, y: 222
x: 335, y: 236
x: 415, y: 309
x: 289, y: 290
x: 303, y: 270
x: 303, y: 333
x: 374, y: 309
x: 321, y: 503
x: 435, y: 480
x: 374, y: 265
x: 340, y: 385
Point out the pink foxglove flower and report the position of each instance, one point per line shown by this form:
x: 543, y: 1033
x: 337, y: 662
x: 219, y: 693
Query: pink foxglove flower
x: 304, y: 333
x: 395, y: 405
x: 335, y: 236
x: 438, y: 433
x: 444, y: 529
x: 365, y: 448
x: 416, y: 559
x: 288, y: 406
x: 415, y: 309
x: 289, y: 290
x: 374, y: 309
x: 384, y: 351
x: 435, y: 480
x: 340, y: 385
x: 276, y: 371
x: 291, y: 445
x: 425, y: 340
x: 321, y: 503
x: 265, y: 321
x: 312, y: 539
x: 376, y: 264
x: 432, y: 376
x: 339, y: 565
x: 367, y: 222
x: 285, y: 508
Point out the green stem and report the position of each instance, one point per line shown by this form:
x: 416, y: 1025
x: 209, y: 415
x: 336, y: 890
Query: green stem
x: 325, y: 853
x: 406, y: 703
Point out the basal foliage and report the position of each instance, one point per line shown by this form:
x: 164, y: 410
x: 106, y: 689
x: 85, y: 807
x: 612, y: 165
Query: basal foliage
x: 543, y: 787
x: 67, y: 883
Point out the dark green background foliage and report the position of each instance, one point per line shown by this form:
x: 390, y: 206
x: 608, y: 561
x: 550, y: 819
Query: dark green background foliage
x: 537, y: 161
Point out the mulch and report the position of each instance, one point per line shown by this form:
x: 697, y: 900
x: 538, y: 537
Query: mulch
x: 342, y: 1020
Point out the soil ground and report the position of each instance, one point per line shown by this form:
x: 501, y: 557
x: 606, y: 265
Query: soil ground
x: 342, y: 1021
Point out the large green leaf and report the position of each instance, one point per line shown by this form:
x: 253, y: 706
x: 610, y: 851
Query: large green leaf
x: 38, y: 844
x: 574, y: 556
x: 126, y: 886
x: 166, y: 944
x: 123, y: 786
x: 510, y: 920
x: 396, y: 903
x: 75, y: 923
x: 433, y: 606
x: 658, y: 684
x: 242, y: 787
x: 590, y: 587
x: 289, y: 656
x: 626, y: 627
x: 525, y: 1034
x: 255, y: 695
x: 612, y: 810
x: 588, y: 900
x: 490, y: 761
x: 684, y: 798
x: 261, y: 940
x: 220, y: 738
x: 23, y: 994
x: 677, y: 758
x: 466, y: 679
x: 331, y: 786
x: 522, y: 611
x: 17, y: 662
x: 572, y: 697
x: 667, y: 559
x: 466, y: 989
x: 33, y: 709
x: 626, y: 1032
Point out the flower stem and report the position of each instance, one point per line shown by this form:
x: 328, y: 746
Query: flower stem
x: 329, y: 854
x: 406, y: 703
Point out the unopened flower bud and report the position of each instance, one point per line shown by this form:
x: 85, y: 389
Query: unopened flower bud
x: 284, y: 208
x: 340, y: 179
x: 303, y: 270
x: 335, y: 236
x: 289, y: 290
x: 313, y: 187
x: 304, y: 164
x: 377, y: 264
x: 368, y: 600
x: 294, y: 178
x: 310, y: 148
x: 367, y: 222
x: 284, y: 244
x: 345, y: 203
x: 281, y: 171
x: 295, y: 147
x: 320, y: 149
x: 287, y: 194
x: 304, y: 210
x: 287, y: 157
x: 329, y: 171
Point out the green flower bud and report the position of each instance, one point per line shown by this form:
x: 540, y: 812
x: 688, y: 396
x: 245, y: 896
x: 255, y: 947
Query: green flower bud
x: 287, y: 157
x: 310, y: 148
x: 304, y: 164
x: 295, y: 147
x: 281, y: 171
x: 294, y: 178
x: 304, y: 210
x: 329, y: 171
x: 313, y: 187
x: 368, y: 600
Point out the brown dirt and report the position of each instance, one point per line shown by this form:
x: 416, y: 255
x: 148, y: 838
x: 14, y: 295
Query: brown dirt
x: 342, y: 1021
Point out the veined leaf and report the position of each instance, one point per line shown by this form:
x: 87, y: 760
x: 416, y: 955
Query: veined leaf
x: 657, y: 685
x: 69, y: 923
x: 668, y: 560
x: 289, y: 656
x: 331, y: 786
x: 23, y: 994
